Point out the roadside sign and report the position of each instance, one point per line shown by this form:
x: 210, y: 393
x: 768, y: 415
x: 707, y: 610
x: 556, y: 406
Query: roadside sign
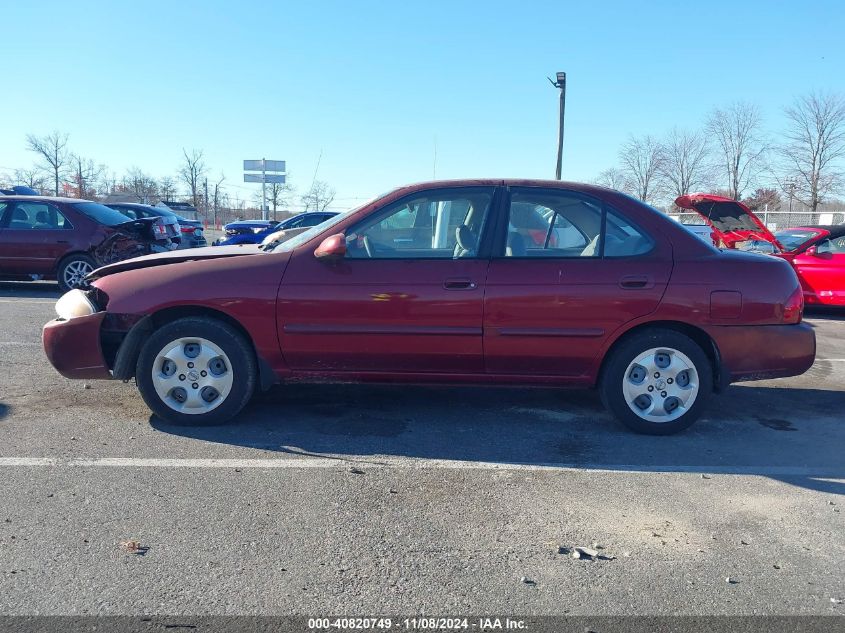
x: 268, y: 178
x: 268, y: 165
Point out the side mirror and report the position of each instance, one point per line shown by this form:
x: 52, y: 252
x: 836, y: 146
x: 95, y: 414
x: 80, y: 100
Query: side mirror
x: 332, y: 248
x: 820, y: 250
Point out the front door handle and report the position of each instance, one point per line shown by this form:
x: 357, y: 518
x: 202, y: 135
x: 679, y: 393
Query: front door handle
x: 460, y: 284
x: 636, y: 281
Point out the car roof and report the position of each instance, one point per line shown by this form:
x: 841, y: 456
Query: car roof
x: 508, y: 182
x: 138, y: 205
x: 835, y: 230
x: 26, y: 198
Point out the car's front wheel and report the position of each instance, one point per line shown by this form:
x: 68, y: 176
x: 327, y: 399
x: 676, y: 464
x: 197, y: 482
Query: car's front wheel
x: 657, y: 382
x: 196, y: 371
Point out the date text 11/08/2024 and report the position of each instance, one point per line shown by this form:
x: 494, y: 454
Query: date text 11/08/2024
x: 417, y: 623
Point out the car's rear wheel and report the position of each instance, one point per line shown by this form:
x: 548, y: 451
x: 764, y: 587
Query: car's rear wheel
x: 196, y: 371
x: 72, y: 271
x: 657, y: 382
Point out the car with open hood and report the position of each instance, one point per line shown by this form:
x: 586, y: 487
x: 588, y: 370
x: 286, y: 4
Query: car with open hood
x: 44, y: 237
x: 439, y: 282
x: 817, y: 253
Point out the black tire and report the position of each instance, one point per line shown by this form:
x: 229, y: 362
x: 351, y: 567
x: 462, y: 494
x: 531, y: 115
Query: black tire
x: 241, y: 357
x: 614, y: 373
x: 65, y: 266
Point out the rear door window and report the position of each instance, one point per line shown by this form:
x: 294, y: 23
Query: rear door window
x: 562, y: 224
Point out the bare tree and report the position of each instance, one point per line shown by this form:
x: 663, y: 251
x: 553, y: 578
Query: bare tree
x: 31, y: 177
x: 142, y: 185
x: 318, y: 197
x: 277, y: 195
x: 642, y: 161
x: 191, y: 172
x: 763, y: 199
x: 815, y: 141
x: 685, y: 167
x: 84, y: 174
x: 53, y: 151
x: 613, y: 178
x: 167, y: 188
x: 737, y: 131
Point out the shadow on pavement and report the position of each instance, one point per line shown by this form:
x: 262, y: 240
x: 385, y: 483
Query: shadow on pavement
x: 30, y: 289
x: 748, y: 430
x: 826, y: 313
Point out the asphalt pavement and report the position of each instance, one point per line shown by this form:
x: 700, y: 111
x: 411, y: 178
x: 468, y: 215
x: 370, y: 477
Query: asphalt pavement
x: 359, y: 500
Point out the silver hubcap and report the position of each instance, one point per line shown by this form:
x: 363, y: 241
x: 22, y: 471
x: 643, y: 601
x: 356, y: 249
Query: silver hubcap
x: 192, y: 375
x: 660, y: 385
x: 75, y: 272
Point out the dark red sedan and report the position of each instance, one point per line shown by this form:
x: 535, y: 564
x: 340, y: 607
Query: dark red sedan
x: 447, y: 282
x: 67, y: 238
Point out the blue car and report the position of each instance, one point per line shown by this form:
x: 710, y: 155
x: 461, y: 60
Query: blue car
x: 254, y: 231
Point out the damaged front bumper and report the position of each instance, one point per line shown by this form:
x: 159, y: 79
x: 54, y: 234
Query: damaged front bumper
x: 73, y: 347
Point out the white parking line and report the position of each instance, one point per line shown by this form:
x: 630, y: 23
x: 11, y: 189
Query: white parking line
x: 410, y: 464
x: 32, y: 301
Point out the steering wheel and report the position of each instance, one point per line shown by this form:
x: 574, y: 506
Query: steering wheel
x: 365, y: 241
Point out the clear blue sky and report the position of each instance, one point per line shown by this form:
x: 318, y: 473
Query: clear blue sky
x: 372, y: 83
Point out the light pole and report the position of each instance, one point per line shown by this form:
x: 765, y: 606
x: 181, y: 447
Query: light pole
x: 791, y: 185
x: 561, y: 84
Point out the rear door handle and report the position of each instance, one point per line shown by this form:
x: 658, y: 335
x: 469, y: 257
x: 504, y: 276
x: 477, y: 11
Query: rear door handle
x: 636, y: 281
x: 460, y: 284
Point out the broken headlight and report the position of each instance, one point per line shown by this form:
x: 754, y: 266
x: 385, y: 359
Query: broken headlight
x: 75, y: 303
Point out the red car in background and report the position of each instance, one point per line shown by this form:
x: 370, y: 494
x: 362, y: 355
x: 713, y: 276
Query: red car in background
x: 817, y: 253
x: 66, y: 238
x: 440, y: 282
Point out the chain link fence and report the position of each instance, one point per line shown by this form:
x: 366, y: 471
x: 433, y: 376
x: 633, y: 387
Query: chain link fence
x: 777, y: 220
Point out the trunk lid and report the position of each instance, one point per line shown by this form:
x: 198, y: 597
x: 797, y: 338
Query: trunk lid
x: 731, y: 220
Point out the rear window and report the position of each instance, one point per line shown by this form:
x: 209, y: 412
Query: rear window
x: 100, y: 213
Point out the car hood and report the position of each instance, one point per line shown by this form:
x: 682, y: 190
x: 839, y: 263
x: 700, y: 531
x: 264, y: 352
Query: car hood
x: 174, y: 257
x: 731, y: 220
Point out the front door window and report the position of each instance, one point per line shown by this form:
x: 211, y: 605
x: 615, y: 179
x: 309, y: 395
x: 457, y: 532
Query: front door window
x: 435, y: 225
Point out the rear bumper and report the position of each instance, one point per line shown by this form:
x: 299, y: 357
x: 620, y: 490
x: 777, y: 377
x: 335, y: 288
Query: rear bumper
x: 760, y: 352
x: 73, y: 347
x: 824, y: 298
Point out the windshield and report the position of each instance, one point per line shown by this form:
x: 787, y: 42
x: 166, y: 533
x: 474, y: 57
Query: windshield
x: 101, y: 213
x: 794, y: 238
x: 303, y: 237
